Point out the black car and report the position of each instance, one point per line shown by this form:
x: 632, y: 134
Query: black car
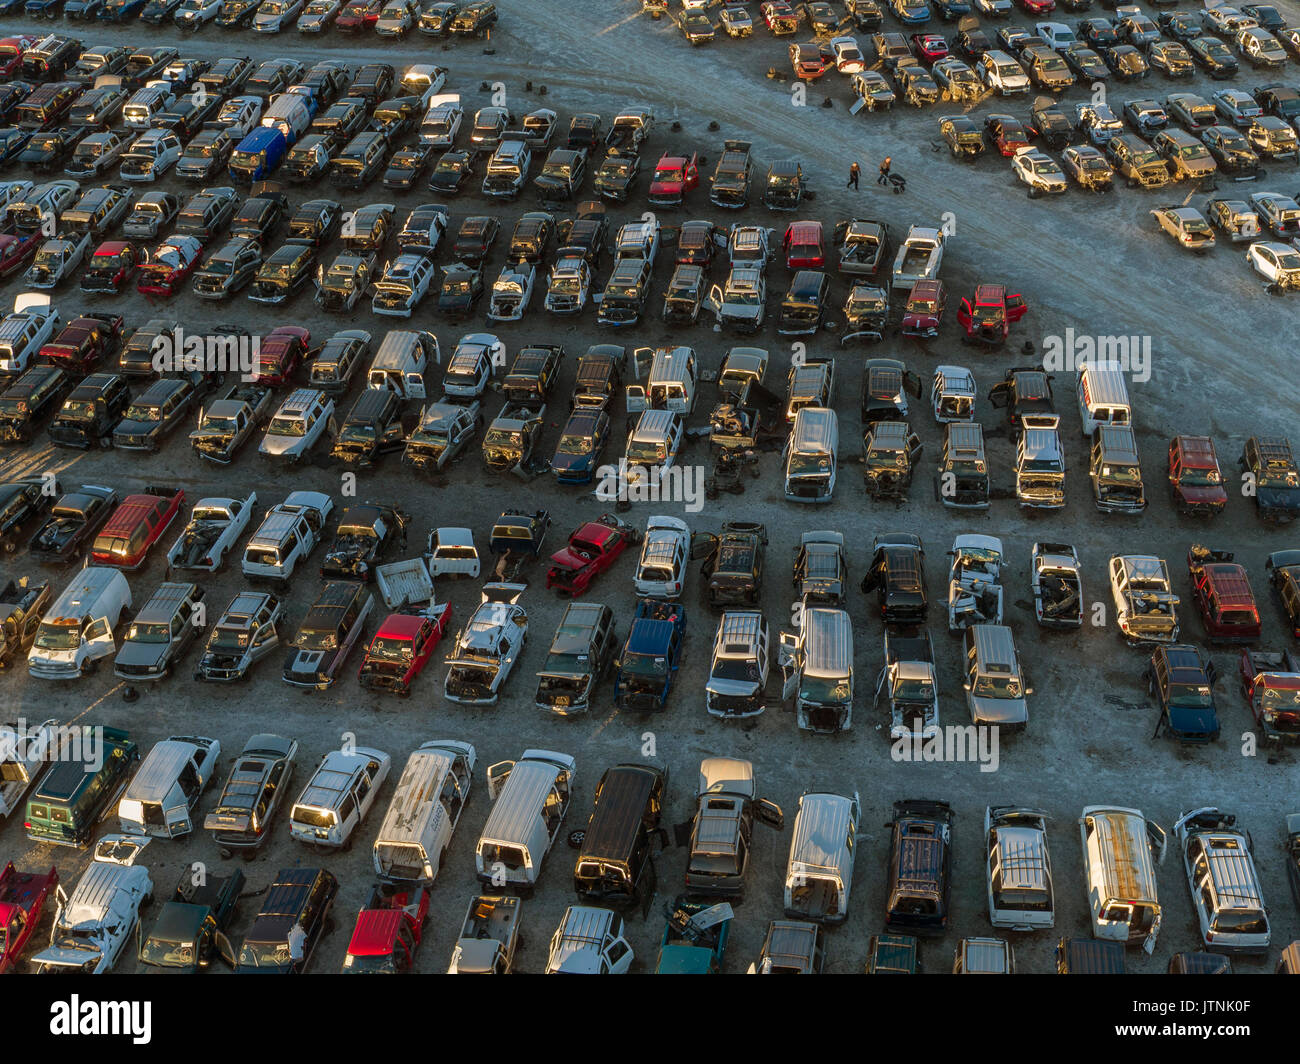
x: 90, y: 412
x: 453, y: 170
x: 49, y: 150
x: 374, y: 81
x: 1023, y: 390
x: 315, y: 222
x: 1282, y: 101
x: 375, y: 426
x: 299, y: 897
x: 1125, y: 62
x: 30, y: 399
x: 1180, y: 25
x: 475, y: 238
x: 897, y: 575
x: 734, y: 569
x: 1213, y: 56
x: 971, y: 43
x: 260, y: 215
x: 1272, y: 469
x: 1181, y: 679
x: 73, y: 523
x: 408, y: 166
x: 286, y: 270
x: 587, y: 232
x: 155, y: 415
x: 462, y: 288
x: 616, y: 175
x: 341, y: 121
x: 21, y: 503
x: 367, y: 534
x: 920, y: 866
x: 885, y: 385
x: 334, y: 624
x: 804, y: 306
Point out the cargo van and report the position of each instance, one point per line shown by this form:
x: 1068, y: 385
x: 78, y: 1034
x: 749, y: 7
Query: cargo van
x: 615, y: 866
x: 401, y: 362
x: 819, y: 873
x: 427, y: 803
x: 289, y: 114
x: 1102, y: 396
x: 531, y: 797
x: 77, y: 631
x: 256, y: 157
x: 161, y: 797
x: 672, y: 383
x: 80, y: 790
x: 1118, y: 846
x: 817, y: 670
x: 811, y: 455
x: 994, y: 681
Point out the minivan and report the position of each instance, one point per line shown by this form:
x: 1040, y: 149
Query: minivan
x: 817, y: 670
x: 79, y: 791
x: 994, y: 682
x: 530, y: 799
x: 430, y: 795
x: 615, y: 866
x: 819, y: 872
x: 161, y: 798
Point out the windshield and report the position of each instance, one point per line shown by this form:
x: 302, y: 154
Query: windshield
x: 817, y: 689
x: 574, y: 443
x: 390, y: 652
x: 645, y: 664
x: 1191, y: 696
x: 230, y: 639
x: 52, y: 636
x: 1124, y: 474
x: 168, y: 954
x: 804, y: 465
x: 996, y: 686
x: 149, y: 633
x: 142, y: 412
x: 913, y: 689
x: 646, y: 452
x: 78, y: 411
x: 287, y: 426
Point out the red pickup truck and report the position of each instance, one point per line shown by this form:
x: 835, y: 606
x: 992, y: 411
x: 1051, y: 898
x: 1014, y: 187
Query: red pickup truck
x: 136, y: 525
x: 674, y: 176
x: 388, y: 931
x: 1223, y: 596
x: 83, y: 343
x: 593, y: 547
x: 22, y: 897
x: 1270, y: 681
x: 401, y: 649
x: 987, y: 316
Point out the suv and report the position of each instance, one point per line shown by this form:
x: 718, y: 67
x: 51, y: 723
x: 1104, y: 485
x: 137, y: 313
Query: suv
x: 897, y: 575
x: 582, y: 652
x: 1195, y: 480
x: 287, y: 535
x: 160, y: 633
x: 1116, y: 470
x: 243, y: 635
x: 737, y: 682
x: 1181, y: 679
x: 1224, y: 599
x: 332, y: 626
x: 299, y: 897
x: 1271, y: 472
x: 1018, y: 868
x: 920, y: 864
x: 735, y: 567
x: 661, y: 570
x: 1284, y: 574
x: 487, y: 648
x: 1224, y: 886
x: 721, y: 834
x: 614, y: 865
x: 298, y: 425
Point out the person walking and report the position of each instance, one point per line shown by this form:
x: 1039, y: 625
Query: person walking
x: 855, y: 171
x: 883, y: 179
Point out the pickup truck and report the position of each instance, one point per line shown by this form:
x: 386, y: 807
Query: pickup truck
x: 533, y: 373
x: 629, y: 131
x: 695, y: 937
x: 22, y: 606
x: 74, y: 522
x: 22, y: 897
x: 731, y: 176
x: 215, y: 525
x: 674, y: 176
x: 230, y: 422
x: 908, y: 683
x: 651, y: 655
x: 403, y: 645
x: 23, y: 756
x: 516, y: 538
x: 1054, y: 575
x: 863, y: 245
x: 1270, y: 682
x: 488, y: 938
x: 919, y: 257
x: 593, y: 547
x: 191, y: 927
x: 388, y: 931
x: 405, y: 583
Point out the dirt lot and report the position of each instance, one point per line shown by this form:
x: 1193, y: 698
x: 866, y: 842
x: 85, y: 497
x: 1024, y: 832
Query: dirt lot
x: 1220, y: 366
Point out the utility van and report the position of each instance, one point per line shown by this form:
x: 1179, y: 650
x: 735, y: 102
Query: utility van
x: 531, y: 797
x: 427, y: 803
x: 1120, y: 875
x: 77, y: 631
x: 1102, y: 396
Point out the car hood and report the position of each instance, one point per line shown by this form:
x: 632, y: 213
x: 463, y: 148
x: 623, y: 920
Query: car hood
x: 147, y: 655
x: 306, y: 664
x: 731, y: 688
x: 1193, y: 720
x: 1282, y: 498
x: 1204, y: 494
x: 571, y: 463
x: 568, y: 559
x: 1000, y: 710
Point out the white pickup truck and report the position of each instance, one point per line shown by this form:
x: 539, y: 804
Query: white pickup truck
x: 919, y: 257
x: 405, y: 583
x: 215, y: 525
x: 24, y: 753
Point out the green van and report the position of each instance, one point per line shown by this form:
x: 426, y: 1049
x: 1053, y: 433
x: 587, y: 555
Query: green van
x: 81, y: 788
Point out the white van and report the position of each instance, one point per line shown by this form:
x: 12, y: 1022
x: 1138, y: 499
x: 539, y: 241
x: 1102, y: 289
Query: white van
x: 819, y: 873
x: 672, y: 383
x: 401, y: 363
x: 426, y: 806
x: 1102, y: 396
x: 1118, y: 846
x: 531, y: 797
x: 289, y: 114
x: 166, y: 787
x: 810, y: 455
x: 817, y: 670
x: 77, y: 631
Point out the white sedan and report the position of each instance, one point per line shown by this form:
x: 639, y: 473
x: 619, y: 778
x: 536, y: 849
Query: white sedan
x: 1277, y: 263
x: 848, y: 56
x: 512, y: 291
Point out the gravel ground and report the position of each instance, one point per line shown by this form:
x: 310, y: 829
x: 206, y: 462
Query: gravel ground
x: 1097, y: 265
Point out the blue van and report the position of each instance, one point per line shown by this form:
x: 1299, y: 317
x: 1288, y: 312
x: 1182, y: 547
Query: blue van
x: 258, y: 155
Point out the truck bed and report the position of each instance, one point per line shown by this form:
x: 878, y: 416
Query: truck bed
x: 491, y: 916
x: 404, y: 583
x: 25, y: 889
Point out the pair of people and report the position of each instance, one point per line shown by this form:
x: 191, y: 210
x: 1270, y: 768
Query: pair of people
x: 855, y: 172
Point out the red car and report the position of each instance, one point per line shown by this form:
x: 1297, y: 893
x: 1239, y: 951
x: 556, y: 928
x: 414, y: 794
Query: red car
x: 1270, y: 682
x: 280, y: 353
x: 22, y: 897
x: 83, y: 342
x: 169, y: 266
x: 1223, y: 595
x: 807, y: 61
x: 803, y: 247
x: 674, y: 176
x: 779, y: 17
x: 389, y: 931
x: 401, y: 649
x: 11, y: 57
x: 593, y: 547
x: 1005, y: 133
x: 359, y: 15
x: 1037, y: 7
x: 16, y: 249
x: 136, y: 525
x: 924, y: 309
x: 1195, y: 478
x: 987, y: 316
x: 929, y: 48
x: 111, y: 266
